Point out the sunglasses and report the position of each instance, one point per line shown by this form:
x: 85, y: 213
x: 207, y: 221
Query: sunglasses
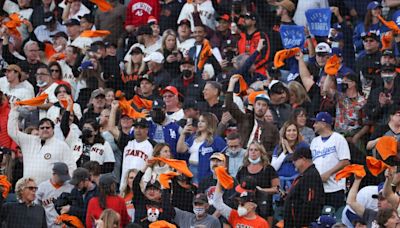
x: 322, y: 55
x: 43, y: 128
x: 54, y: 70
x: 32, y: 188
x: 369, y: 40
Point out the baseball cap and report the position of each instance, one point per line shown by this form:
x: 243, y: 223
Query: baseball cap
x: 380, y: 192
x: 323, y: 48
x: 72, y: 22
x: 251, y: 16
x: 96, y: 93
x: 61, y: 169
x: 184, y: 22
x: 218, y: 156
x: 200, y: 198
x: 141, y: 122
x: 373, y: 5
x: 144, y: 30
x: 151, y: 20
x: 15, y: 68
x: 262, y: 97
x: 302, y: 152
x: 154, y: 57
x: 136, y: 50
x: 60, y: 34
x: 171, y: 89
x: 190, y: 103
x: 324, y: 221
x: 107, y: 179
x: 187, y: 60
x: 388, y: 52
x: 248, y: 184
x: 79, y: 174
x: 158, y: 104
x: 147, y: 77
x: 351, y: 76
x: 337, y: 26
x: 337, y: 51
x: 323, y: 117
x: 110, y: 44
x: 287, y: 4
x: 224, y: 17
x: 153, y: 184
x: 48, y: 17
x: 371, y: 34
x: 247, y: 197
x: 89, y: 17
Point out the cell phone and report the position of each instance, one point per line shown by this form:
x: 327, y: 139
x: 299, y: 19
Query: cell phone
x: 281, y: 191
x: 175, y: 53
x: 189, y: 121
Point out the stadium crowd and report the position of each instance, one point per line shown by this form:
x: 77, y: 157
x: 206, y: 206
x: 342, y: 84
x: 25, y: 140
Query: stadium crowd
x: 199, y: 113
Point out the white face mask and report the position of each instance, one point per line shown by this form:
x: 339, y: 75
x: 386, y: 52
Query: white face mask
x: 199, y: 210
x: 41, y: 84
x: 242, y: 211
x: 255, y: 161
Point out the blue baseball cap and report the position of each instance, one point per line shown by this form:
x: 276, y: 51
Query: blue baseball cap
x: 323, y: 117
x: 373, y: 5
x: 337, y: 51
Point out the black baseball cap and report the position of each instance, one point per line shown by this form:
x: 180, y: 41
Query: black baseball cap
x: 79, y: 174
x: 251, y: 16
x: 184, y: 22
x: 371, y: 34
x: 187, y: 60
x: 61, y: 169
x: 200, y: 198
x: 147, y: 77
x: 72, y: 22
x: 107, y: 179
x: 144, y: 30
x: 190, y: 103
x: 89, y: 17
x: 248, y: 184
x: 247, y: 197
x: 302, y: 152
x: 141, y: 122
x: 48, y: 18
x: 388, y: 52
x: 154, y: 184
x: 60, y: 34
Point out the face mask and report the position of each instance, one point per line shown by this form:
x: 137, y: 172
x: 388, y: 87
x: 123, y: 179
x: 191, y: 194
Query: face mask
x: 242, y: 211
x: 158, y: 116
x: 86, y: 133
x: 83, y: 190
x: 255, y: 161
x: 41, y: 84
x: 345, y: 86
x: 233, y: 152
x: 387, y: 78
x: 199, y: 210
x: 186, y: 73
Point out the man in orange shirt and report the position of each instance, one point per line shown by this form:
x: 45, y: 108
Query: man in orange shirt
x: 245, y: 215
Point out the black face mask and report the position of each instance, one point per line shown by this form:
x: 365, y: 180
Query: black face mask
x: 187, y: 73
x: 83, y: 190
x: 345, y: 86
x: 86, y: 133
x: 158, y: 116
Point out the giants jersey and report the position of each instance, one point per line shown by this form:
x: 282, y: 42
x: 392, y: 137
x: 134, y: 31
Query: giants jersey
x: 98, y: 152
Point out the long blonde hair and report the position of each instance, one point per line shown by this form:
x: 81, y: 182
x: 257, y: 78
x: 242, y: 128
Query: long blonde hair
x: 125, y: 189
x: 211, y: 123
x: 299, y: 91
x: 166, y: 33
x: 110, y: 218
x: 263, y: 154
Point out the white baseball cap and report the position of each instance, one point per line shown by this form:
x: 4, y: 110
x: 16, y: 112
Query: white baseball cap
x: 155, y: 57
x: 323, y: 48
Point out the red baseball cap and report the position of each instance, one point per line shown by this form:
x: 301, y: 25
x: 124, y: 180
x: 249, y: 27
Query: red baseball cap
x: 225, y: 17
x: 171, y: 89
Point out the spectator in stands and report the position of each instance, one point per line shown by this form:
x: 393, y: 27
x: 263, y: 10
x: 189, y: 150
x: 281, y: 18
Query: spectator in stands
x: 94, y: 170
x: 62, y: 93
x: 84, y: 190
x: 256, y: 164
x: 107, y: 198
x: 127, y: 192
x: 13, y: 86
x: 51, y: 189
x: 145, y: 38
x: 235, y: 153
x: 199, y: 217
x: 73, y: 9
x: 46, y: 84
x: 301, y: 207
x: 169, y: 49
x: 250, y: 124
x: 211, y: 93
x: 185, y: 42
x: 97, y: 104
x: 207, y: 16
x: 25, y: 211
x: 155, y: 61
x: 108, y: 218
x: 201, y: 144
x: 300, y: 118
x: 281, y: 111
x: 330, y: 153
x: 171, y: 99
x: 52, y: 150
x: 388, y: 218
x: 138, y: 13
x: 191, y: 113
x: 49, y: 27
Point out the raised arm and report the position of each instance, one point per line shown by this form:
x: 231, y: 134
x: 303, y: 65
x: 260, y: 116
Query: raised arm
x: 351, y: 198
x: 305, y: 75
x: 388, y: 193
x: 112, y: 128
x: 219, y: 204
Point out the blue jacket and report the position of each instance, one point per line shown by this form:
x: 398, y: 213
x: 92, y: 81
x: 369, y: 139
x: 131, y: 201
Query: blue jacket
x: 171, y: 134
x: 206, y: 151
x: 359, y: 29
x: 287, y: 168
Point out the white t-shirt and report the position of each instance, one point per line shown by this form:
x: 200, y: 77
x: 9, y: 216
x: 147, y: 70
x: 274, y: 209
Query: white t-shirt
x: 326, y: 155
x: 206, y: 10
x: 22, y: 91
x: 176, y: 116
x: 194, y: 152
x: 98, y: 152
x: 135, y: 156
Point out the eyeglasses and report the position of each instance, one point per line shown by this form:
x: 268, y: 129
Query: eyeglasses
x: 54, y: 70
x: 32, y: 188
x: 43, y: 128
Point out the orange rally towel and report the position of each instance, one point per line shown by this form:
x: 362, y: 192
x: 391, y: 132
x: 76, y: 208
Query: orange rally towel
x: 179, y: 165
x: 166, y: 177
x: 280, y: 224
x: 13, y: 24
x: 161, y: 224
x: 95, y: 33
x: 36, y: 101
x: 6, y: 185
x: 205, y: 53
x: 223, y: 177
x: 332, y: 65
x: 376, y: 166
x: 252, y: 96
x: 102, y: 4
x: 242, y: 86
x: 281, y: 55
x: 126, y: 107
x: 387, y: 146
x: 356, y: 169
x: 142, y: 102
x: 69, y: 220
x: 390, y: 24
x: 386, y: 40
x: 49, y: 50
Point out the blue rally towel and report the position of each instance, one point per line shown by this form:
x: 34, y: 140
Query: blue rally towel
x: 292, y: 36
x: 319, y: 21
